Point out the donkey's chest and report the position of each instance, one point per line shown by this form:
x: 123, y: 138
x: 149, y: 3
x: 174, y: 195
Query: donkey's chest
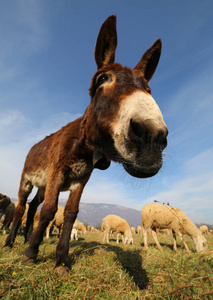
x: 79, y: 169
x: 76, y: 172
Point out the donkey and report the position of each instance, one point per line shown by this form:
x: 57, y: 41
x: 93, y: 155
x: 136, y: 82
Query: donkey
x: 122, y: 123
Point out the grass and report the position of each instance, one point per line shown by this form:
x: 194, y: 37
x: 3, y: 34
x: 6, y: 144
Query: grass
x: 113, y: 271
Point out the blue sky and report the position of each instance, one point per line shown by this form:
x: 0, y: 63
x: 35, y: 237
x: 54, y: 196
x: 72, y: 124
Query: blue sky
x: 46, y: 64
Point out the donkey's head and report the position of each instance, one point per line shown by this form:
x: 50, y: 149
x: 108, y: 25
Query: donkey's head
x: 123, y: 121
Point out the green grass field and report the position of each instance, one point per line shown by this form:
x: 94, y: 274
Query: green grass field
x: 101, y: 271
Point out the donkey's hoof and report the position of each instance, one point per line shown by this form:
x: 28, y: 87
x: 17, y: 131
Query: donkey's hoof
x: 62, y: 270
x: 28, y: 261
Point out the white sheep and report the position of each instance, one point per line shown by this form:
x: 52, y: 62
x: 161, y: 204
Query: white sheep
x: 82, y: 228
x: 74, y: 232
x: 132, y: 230
x: 57, y: 221
x: 138, y: 230
x: 204, y: 229
x: 116, y: 224
x: 162, y: 216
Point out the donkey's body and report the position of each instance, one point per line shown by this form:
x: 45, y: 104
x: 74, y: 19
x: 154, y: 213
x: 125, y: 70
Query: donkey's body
x: 122, y: 123
x: 65, y: 152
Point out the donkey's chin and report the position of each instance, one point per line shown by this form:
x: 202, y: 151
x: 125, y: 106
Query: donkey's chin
x: 140, y: 171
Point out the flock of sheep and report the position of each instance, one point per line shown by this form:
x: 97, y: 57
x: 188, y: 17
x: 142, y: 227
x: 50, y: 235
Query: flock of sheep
x: 155, y: 218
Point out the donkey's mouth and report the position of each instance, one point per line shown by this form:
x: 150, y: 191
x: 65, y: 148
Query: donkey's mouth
x: 139, y: 171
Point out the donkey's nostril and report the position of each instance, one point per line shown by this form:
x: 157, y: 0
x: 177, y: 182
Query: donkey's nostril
x: 161, y: 138
x: 137, y: 128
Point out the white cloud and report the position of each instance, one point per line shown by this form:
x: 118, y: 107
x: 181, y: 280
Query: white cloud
x: 201, y: 163
x: 102, y: 189
x: 9, y: 119
x: 18, y: 135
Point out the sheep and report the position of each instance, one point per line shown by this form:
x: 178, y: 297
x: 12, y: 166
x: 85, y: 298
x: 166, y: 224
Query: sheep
x: 81, y: 228
x: 132, y: 230
x: 204, y: 229
x: 74, y: 232
x: 161, y: 216
x: 4, y: 202
x: 89, y: 228
x: 57, y: 221
x: 211, y: 231
x: 138, y: 230
x: 116, y: 224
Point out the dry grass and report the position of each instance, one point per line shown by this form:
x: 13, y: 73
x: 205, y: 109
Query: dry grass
x: 101, y: 271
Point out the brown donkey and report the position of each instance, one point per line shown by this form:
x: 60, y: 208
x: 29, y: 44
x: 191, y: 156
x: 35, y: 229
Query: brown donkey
x: 122, y: 123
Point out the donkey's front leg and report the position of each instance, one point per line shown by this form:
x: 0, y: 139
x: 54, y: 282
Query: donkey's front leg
x: 70, y: 215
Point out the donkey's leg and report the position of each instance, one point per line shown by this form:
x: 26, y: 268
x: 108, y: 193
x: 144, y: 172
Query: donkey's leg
x: 47, y: 213
x: 70, y: 215
x: 24, y: 191
x: 38, y: 199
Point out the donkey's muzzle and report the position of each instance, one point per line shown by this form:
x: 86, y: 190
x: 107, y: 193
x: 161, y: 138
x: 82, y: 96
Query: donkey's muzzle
x: 147, y: 141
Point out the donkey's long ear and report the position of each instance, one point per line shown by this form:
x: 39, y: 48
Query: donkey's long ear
x: 149, y: 60
x: 106, y: 43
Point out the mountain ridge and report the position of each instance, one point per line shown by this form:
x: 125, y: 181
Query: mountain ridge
x: 93, y: 213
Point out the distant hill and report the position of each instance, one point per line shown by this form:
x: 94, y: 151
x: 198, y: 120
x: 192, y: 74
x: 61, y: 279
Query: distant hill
x: 93, y: 213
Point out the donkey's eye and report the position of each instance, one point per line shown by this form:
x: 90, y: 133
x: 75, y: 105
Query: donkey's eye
x: 101, y: 79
